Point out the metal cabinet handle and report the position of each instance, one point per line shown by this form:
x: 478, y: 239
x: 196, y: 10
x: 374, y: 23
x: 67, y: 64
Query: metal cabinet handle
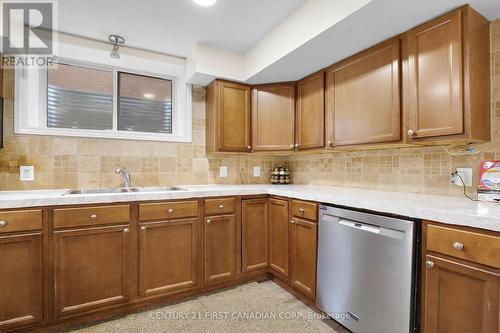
x: 296, y: 146
x: 292, y: 146
x: 93, y: 217
x: 125, y: 230
x: 301, y: 210
x: 292, y: 221
x: 429, y: 264
x: 249, y: 147
x: 170, y: 211
x: 143, y: 228
x: 221, y: 206
x: 458, y: 246
x: 3, y: 224
x: 209, y: 221
x: 411, y: 132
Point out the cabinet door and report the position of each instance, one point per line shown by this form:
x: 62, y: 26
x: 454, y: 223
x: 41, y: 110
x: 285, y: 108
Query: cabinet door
x: 363, y: 97
x: 278, y: 236
x: 435, y: 79
x: 303, y: 256
x: 20, y: 280
x: 255, y: 244
x: 273, y: 113
x: 310, y: 122
x: 234, y: 117
x: 168, y: 254
x: 91, y: 268
x: 460, y: 298
x: 220, y: 248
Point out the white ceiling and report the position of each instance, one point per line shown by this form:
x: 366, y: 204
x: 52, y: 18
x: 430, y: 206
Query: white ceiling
x: 175, y: 26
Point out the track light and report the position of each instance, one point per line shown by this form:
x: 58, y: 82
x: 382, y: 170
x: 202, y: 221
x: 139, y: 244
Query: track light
x: 116, y: 41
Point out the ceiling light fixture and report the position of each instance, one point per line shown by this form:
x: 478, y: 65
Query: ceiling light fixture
x: 205, y: 3
x: 116, y: 41
x: 148, y: 95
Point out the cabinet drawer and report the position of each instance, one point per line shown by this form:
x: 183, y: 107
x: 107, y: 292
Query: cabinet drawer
x: 84, y: 216
x: 467, y: 245
x: 304, y: 209
x: 219, y: 206
x: 20, y: 220
x: 168, y: 210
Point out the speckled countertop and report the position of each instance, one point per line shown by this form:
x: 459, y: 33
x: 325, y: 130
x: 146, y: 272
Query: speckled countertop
x: 451, y: 210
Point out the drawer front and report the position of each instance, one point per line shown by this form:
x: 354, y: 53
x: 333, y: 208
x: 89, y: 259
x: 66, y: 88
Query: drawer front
x: 168, y: 210
x: 88, y: 216
x: 475, y: 247
x: 219, y: 206
x: 304, y: 209
x: 20, y: 220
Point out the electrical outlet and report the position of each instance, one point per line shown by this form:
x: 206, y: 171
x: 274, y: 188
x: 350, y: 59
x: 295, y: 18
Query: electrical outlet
x: 256, y: 171
x: 465, y: 174
x: 223, y: 171
x: 26, y: 173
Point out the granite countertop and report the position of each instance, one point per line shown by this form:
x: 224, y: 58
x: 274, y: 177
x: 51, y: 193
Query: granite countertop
x: 450, y: 210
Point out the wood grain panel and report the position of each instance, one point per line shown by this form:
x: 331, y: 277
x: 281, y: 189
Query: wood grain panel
x: 278, y: 236
x: 304, y: 235
x: 305, y: 209
x: 220, y: 248
x: 255, y: 241
x: 90, y: 216
x: 20, y: 220
x: 219, y: 206
x: 310, y: 115
x: 168, y: 210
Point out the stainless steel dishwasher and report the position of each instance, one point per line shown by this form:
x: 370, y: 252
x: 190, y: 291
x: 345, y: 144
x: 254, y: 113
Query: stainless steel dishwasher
x: 367, y: 270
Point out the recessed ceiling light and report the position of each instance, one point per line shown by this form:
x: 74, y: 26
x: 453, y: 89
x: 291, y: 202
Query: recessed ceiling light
x: 205, y: 3
x: 148, y: 95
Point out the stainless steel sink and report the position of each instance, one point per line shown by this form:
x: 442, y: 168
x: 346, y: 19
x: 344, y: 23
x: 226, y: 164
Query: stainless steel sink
x: 123, y: 190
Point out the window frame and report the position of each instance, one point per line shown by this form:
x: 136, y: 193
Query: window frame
x: 33, y: 84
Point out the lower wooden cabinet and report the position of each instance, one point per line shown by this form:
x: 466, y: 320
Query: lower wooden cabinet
x: 168, y: 256
x: 304, y: 235
x: 255, y: 243
x: 278, y: 237
x: 460, y: 297
x: 20, y: 280
x: 91, y: 268
x: 220, y: 248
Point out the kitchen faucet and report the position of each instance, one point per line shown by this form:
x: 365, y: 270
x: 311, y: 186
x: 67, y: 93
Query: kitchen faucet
x: 126, y: 180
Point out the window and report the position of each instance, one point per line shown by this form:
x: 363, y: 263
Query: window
x: 145, y: 104
x: 142, y: 96
x: 80, y: 98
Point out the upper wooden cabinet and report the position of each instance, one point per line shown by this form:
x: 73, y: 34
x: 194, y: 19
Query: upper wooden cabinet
x: 448, y: 95
x: 273, y: 113
x: 310, y: 115
x: 228, y: 117
x: 363, y: 97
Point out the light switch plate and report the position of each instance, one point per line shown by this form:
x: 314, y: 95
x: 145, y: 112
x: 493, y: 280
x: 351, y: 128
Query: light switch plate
x: 26, y: 173
x: 256, y: 171
x: 223, y: 171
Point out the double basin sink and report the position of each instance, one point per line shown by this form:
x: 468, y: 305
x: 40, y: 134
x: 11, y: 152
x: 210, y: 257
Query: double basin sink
x: 124, y: 190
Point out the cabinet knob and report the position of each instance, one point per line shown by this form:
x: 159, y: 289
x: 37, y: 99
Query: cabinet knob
x: 292, y: 221
x: 249, y: 147
x: 125, y: 230
x: 458, y: 246
x: 330, y: 143
x: 221, y: 206
x: 411, y: 132
x: 170, y: 210
x: 292, y: 146
x: 3, y: 224
x: 301, y: 210
x: 209, y: 221
x: 429, y: 264
x: 296, y: 146
x: 93, y: 217
x: 143, y: 228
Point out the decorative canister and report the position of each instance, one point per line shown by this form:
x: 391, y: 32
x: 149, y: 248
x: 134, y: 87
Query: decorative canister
x: 280, y: 175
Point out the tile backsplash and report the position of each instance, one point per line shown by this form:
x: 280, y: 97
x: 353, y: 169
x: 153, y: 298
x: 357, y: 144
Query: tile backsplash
x: 63, y: 162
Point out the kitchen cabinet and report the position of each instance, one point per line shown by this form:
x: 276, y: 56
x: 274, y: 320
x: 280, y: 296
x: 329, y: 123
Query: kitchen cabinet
x: 168, y: 256
x: 255, y: 242
x: 21, y: 279
x: 363, y: 101
x: 448, y: 78
x: 303, y: 255
x: 460, y: 297
x: 228, y: 107
x: 310, y: 114
x: 273, y: 117
x: 91, y: 268
x: 220, y: 248
x: 278, y: 237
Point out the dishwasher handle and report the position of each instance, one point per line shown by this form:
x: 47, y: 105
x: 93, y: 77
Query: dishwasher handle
x: 360, y: 226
